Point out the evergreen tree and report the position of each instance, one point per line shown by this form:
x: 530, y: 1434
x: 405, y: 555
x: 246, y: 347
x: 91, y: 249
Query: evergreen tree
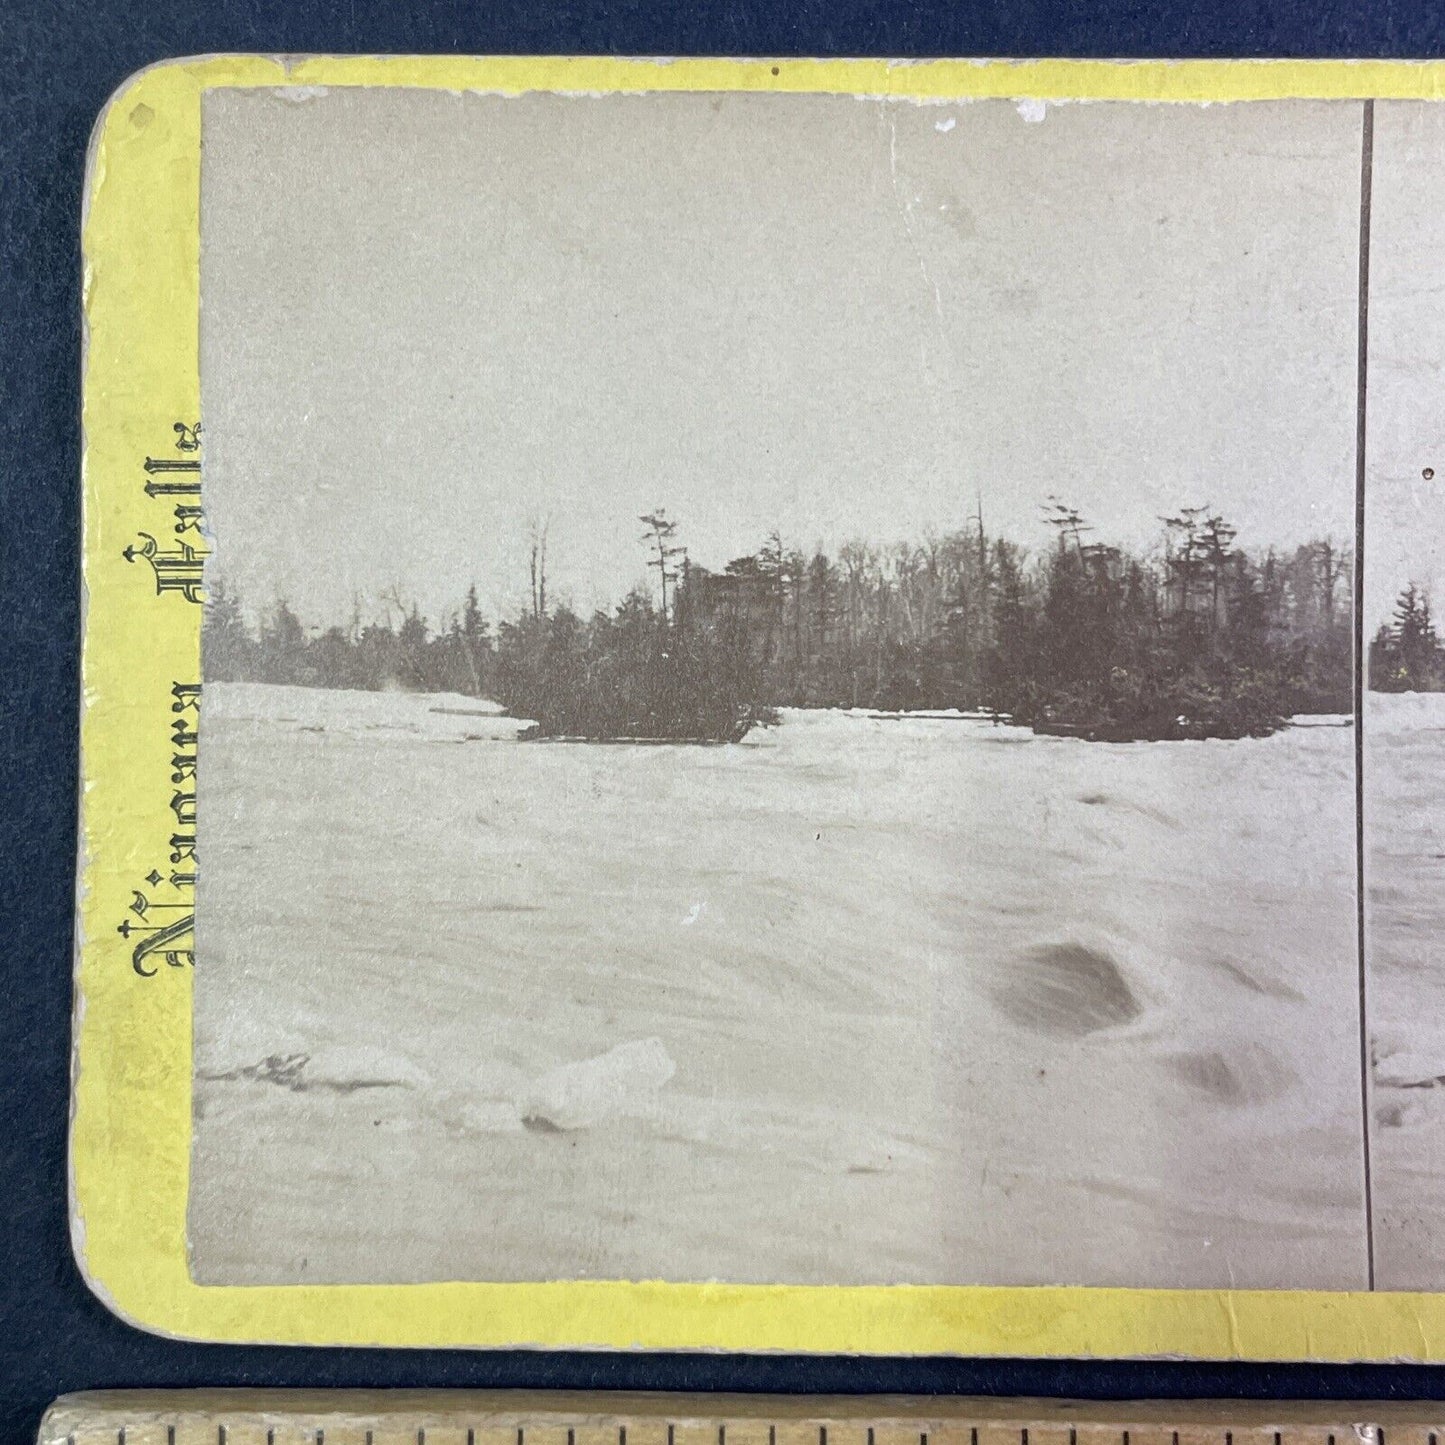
x: 226, y: 645
x: 1406, y: 655
x: 475, y: 645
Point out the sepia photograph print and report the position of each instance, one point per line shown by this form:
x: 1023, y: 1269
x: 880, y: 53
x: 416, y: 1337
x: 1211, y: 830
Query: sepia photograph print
x: 1404, y: 704
x: 779, y: 687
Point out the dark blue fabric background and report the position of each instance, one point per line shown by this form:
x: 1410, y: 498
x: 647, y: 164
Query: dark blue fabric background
x: 58, y: 63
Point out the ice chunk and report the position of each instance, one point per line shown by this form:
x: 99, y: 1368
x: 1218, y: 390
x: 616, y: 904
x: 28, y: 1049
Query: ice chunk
x: 1410, y: 1069
x: 591, y: 1091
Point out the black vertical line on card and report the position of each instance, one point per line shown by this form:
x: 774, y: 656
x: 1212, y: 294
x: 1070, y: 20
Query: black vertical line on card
x: 220, y: 1435
x: 1362, y: 362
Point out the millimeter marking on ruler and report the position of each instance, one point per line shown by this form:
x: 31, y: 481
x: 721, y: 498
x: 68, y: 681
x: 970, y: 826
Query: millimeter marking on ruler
x: 406, y: 1417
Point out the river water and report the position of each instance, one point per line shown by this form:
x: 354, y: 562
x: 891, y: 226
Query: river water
x: 858, y: 1000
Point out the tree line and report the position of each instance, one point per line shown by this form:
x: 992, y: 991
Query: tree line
x: 1199, y: 638
x: 1406, y: 654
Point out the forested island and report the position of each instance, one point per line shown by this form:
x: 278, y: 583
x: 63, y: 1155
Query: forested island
x: 1405, y: 654
x: 1201, y: 638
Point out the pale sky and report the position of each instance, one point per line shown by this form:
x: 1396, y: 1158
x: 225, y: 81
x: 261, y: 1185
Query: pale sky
x: 429, y: 317
x: 1405, y: 511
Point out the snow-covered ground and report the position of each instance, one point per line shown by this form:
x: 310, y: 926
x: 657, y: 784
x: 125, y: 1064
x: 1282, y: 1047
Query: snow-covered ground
x: 860, y: 999
x: 1404, y: 780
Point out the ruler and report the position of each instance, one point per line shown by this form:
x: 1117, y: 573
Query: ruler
x: 402, y: 1417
